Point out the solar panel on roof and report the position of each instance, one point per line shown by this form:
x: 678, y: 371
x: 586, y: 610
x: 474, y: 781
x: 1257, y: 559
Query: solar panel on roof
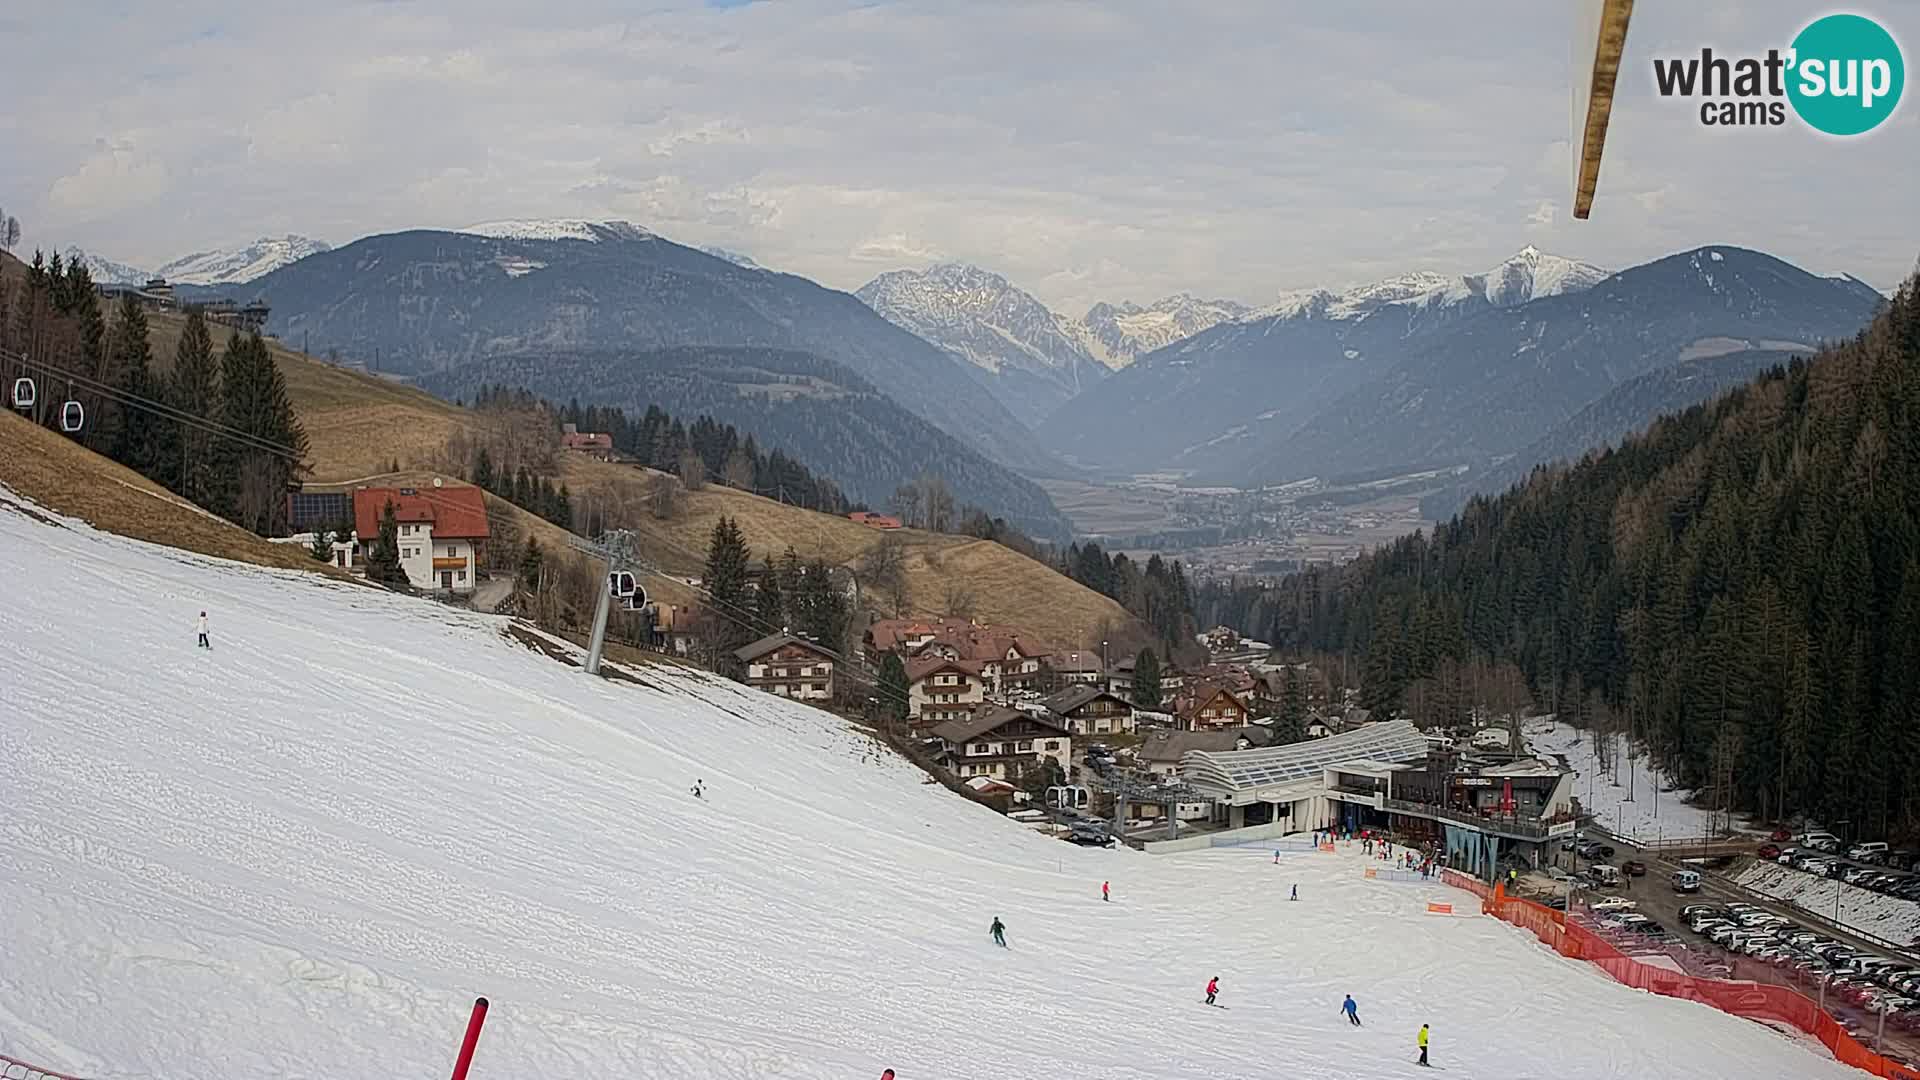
x: 1394, y: 742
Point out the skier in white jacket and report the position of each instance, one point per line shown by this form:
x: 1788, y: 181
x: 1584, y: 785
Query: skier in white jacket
x: 204, y: 643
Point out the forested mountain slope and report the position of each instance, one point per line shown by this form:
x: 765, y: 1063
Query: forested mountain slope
x: 823, y: 415
x: 1740, y: 585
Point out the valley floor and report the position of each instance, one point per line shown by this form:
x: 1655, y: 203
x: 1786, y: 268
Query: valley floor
x: 303, y: 852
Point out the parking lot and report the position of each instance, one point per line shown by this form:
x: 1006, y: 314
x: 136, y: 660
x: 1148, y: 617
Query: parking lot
x: 1725, y: 932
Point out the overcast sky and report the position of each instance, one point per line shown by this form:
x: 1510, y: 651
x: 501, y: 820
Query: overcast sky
x: 1088, y: 150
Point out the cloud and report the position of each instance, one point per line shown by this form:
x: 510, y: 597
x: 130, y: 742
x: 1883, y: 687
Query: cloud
x: 896, y: 249
x: 113, y: 178
x: 1089, y: 151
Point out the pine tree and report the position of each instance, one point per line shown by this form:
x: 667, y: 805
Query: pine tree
x: 769, y: 601
x: 726, y: 573
x: 1146, y: 680
x: 893, y: 688
x: 254, y: 400
x: 532, y: 562
x: 193, y: 388
x: 383, y: 558
x: 821, y: 609
x: 126, y: 429
x: 321, y: 547
x: 1291, y: 726
x: 483, y: 470
x: 725, y: 581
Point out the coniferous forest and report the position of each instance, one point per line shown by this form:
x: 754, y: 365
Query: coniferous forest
x: 216, y: 428
x: 1738, y: 588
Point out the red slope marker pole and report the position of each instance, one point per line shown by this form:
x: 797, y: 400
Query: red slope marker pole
x: 473, y: 1039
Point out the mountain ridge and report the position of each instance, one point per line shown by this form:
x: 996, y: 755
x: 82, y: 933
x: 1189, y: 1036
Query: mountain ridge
x: 1424, y: 369
x: 1032, y: 359
x: 426, y: 300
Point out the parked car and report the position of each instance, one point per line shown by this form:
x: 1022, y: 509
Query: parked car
x: 1634, y: 868
x: 1780, y: 836
x: 1090, y: 834
x: 1768, y: 851
x: 1821, y: 841
x: 1869, y: 851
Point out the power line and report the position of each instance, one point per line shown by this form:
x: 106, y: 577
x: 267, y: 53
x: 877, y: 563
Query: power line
x: 156, y: 408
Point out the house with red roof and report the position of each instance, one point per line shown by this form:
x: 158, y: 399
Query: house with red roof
x: 1006, y: 658
x: 441, y: 531
x: 595, y: 443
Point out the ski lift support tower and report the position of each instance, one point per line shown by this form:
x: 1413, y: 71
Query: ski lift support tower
x: 1167, y: 791
x: 619, y: 550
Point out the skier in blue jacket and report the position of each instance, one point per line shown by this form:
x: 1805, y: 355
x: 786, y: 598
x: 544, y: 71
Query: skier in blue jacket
x: 1352, y: 1010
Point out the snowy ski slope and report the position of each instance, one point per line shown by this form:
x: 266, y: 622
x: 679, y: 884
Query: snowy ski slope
x: 303, y: 854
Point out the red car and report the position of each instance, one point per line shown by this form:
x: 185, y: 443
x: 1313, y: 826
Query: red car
x: 1780, y: 836
x: 1769, y: 851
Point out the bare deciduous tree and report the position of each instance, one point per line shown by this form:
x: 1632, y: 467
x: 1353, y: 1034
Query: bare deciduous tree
x: 884, y: 569
x: 906, y: 505
x: 666, y: 499
x: 739, y: 470
x: 693, y: 470
x: 958, y: 600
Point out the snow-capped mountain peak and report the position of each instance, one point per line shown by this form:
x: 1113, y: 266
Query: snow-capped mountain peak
x: 1117, y: 334
x: 1527, y: 275
x: 1035, y: 359
x: 231, y: 266
x: 105, y: 271
x: 745, y: 262
x: 559, y: 229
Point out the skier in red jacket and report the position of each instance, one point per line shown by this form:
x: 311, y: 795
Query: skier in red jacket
x: 1213, y: 987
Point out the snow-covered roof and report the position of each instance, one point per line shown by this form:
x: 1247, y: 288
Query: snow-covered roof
x: 1523, y: 767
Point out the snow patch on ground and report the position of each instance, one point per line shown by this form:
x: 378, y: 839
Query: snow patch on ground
x: 1887, y: 917
x: 1644, y: 818
x: 306, y: 851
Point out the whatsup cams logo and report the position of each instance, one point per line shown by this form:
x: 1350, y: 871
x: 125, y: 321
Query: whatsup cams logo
x: 1842, y: 75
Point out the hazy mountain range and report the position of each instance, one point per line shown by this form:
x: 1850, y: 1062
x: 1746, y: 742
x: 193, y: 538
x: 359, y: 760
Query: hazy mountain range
x: 1537, y: 358
x: 1424, y: 369
x: 220, y: 266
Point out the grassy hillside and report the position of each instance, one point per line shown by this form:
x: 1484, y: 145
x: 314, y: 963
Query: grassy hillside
x: 358, y: 424
x: 62, y: 475
x: 1005, y: 585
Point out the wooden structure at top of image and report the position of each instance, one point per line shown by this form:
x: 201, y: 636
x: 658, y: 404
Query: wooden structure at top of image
x: 1602, y: 38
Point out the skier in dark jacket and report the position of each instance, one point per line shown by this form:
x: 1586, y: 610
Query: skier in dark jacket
x: 999, y: 930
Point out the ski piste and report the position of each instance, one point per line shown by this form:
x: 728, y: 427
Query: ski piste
x: 405, y: 809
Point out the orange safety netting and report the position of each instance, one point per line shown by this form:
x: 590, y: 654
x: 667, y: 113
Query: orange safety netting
x: 1753, y: 1000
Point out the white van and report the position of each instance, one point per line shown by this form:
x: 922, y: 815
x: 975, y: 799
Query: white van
x: 1686, y: 881
x: 1823, y: 841
x: 1871, y: 851
x: 1604, y: 875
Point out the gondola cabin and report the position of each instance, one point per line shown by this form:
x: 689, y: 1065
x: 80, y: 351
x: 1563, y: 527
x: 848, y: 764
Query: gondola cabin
x: 23, y: 394
x: 72, y: 417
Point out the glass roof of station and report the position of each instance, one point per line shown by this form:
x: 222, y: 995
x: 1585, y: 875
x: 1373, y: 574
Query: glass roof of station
x: 1394, y: 742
